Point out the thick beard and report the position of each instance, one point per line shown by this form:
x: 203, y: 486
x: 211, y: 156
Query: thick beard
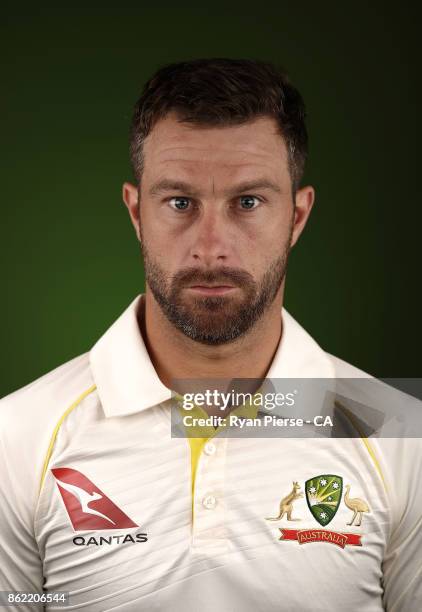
x: 214, y: 320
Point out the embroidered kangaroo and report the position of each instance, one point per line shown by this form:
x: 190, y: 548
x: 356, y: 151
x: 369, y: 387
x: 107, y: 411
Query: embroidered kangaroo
x: 286, y: 504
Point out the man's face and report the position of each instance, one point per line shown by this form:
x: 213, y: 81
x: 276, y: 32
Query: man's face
x: 216, y: 224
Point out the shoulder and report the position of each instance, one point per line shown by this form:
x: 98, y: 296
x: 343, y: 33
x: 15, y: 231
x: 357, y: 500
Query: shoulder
x: 45, y: 396
x: 395, y: 443
x: 346, y: 370
x: 29, y: 416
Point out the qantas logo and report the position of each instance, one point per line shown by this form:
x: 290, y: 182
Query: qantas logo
x: 87, y: 506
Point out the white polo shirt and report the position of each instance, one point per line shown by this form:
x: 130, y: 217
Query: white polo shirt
x: 96, y: 498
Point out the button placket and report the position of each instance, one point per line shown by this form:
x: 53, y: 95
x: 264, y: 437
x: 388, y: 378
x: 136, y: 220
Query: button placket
x: 209, y: 505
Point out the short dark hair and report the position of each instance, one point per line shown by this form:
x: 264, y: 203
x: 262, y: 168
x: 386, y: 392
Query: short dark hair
x: 221, y: 92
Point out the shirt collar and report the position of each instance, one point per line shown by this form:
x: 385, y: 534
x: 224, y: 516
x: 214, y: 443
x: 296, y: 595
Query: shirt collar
x: 127, y: 381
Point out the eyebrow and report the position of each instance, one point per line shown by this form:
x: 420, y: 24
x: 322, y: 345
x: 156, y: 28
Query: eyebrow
x: 165, y: 185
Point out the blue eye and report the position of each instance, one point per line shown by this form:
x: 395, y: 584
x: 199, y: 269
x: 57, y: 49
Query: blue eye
x: 248, y: 202
x: 179, y: 203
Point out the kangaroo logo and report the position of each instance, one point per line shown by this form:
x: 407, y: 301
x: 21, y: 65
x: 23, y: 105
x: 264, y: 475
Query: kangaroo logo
x: 286, y: 504
x: 87, y: 506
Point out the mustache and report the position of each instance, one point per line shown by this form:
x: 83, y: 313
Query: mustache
x: 191, y: 276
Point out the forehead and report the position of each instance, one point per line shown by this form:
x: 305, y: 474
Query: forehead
x: 188, y: 147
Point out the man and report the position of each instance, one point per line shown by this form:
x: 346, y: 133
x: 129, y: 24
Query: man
x: 100, y: 501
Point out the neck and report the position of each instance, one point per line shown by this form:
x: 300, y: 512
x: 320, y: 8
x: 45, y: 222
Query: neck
x: 176, y: 356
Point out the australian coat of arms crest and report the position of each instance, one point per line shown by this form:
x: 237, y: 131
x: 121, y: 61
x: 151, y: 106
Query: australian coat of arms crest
x: 324, y: 494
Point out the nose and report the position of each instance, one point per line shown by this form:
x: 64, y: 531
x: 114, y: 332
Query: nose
x: 211, y: 241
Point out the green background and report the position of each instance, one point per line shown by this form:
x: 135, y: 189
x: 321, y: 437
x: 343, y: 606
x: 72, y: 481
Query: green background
x: 71, y: 262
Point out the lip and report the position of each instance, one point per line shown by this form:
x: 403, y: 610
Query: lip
x: 212, y: 290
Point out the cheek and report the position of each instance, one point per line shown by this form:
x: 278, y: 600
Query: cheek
x: 168, y: 252
x: 269, y: 236
x: 265, y: 244
x: 155, y: 232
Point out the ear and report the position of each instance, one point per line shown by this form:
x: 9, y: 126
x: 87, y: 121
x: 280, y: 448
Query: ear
x: 305, y: 198
x: 130, y: 198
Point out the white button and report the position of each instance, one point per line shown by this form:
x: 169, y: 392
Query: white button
x: 209, y: 448
x: 209, y: 502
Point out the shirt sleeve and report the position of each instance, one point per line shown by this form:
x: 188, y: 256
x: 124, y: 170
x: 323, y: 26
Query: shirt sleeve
x: 20, y: 563
x: 402, y: 565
